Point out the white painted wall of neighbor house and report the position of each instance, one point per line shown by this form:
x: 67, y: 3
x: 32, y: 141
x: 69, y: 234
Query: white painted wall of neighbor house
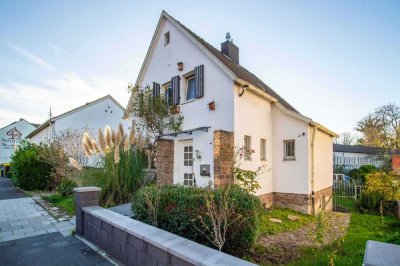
x: 323, y: 161
x: 290, y: 176
x: 253, y: 117
x: 355, y: 160
x: 7, y: 144
x: 218, y: 87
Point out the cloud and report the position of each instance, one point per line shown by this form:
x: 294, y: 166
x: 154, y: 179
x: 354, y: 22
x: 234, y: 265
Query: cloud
x: 31, y: 57
x: 62, y: 91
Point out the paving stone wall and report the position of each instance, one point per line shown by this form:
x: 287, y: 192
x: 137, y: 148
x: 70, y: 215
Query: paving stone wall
x: 165, y: 161
x: 134, y: 243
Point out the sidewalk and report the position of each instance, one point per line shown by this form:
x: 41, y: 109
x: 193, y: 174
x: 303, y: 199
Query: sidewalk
x: 29, y: 235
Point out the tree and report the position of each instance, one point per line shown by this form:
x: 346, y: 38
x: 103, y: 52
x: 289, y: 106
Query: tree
x: 151, y: 112
x: 345, y: 138
x: 381, y: 128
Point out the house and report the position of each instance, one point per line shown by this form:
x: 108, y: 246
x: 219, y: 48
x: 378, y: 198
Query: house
x: 350, y: 157
x: 88, y: 117
x: 224, y: 104
x: 11, y: 135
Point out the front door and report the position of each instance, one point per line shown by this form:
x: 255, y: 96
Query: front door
x: 187, y: 162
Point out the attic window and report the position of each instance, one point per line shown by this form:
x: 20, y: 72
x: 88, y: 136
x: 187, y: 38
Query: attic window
x: 166, y: 38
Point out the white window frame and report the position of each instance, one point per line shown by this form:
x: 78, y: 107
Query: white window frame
x: 167, y: 86
x: 167, y: 38
x: 286, y: 156
x: 247, y: 148
x: 188, y: 179
x: 187, y: 87
x: 263, y: 149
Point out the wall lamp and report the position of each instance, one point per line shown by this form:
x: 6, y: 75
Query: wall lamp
x: 243, y: 89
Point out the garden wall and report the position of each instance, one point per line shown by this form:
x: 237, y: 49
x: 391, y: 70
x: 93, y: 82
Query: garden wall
x: 132, y: 242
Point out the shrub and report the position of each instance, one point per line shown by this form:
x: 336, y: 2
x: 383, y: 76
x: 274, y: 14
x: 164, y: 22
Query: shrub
x: 387, y: 184
x: 370, y: 202
x: 177, y: 210
x: 28, y: 170
x: 66, y: 187
x: 360, y: 173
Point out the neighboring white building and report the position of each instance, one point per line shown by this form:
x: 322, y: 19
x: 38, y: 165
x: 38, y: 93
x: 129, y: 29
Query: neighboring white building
x: 89, y: 117
x: 353, y: 156
x: 223, y: 103
x: 11, y: 135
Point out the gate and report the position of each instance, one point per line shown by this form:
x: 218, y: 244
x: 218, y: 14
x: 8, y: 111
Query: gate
x: 344, y: 193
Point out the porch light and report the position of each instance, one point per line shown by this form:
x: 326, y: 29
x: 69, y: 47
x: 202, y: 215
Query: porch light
x: 180, y: 66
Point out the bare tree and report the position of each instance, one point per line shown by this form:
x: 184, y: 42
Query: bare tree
x: 346, y: 138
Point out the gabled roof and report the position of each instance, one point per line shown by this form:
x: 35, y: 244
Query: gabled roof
x: 50, y: 121
x: 21, y: 119
x: 237, y: 71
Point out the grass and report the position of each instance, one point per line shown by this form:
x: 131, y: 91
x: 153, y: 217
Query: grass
x: 350, y: 250
x: 269, y: 228
x: 345, y: 203
x: 65, y: 203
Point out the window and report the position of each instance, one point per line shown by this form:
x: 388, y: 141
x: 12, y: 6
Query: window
x: 263, y: 150
x: 166, y: 38
x: 288, y: 149
x: 188, y: 180
x: 188, y: 155
x: 169, y: 97
x: 247, y: 148
x: 190, y: 88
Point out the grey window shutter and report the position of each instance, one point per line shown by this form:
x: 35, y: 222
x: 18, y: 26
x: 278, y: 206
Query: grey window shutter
x: 175, y: 84
x: 141, y: 104
x: 156, y: 89
x: 199, y: 80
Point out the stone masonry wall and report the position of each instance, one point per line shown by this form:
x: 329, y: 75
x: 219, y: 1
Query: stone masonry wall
x: 134, y: 243
x: 223, y: 157
x: 165, y: 161
x: 323, y: 196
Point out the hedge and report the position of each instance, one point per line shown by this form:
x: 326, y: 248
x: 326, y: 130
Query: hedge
x: 179, y: 209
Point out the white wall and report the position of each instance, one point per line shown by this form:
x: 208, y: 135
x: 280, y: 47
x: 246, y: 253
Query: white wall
x: 162, y: 66
x: 355, y: 160
x: 323, y: 161
x: 253, y: 117
x: 7, y: 144
x: 290, y: 176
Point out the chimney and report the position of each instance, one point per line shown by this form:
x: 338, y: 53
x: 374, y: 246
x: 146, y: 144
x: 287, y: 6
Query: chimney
x: 229, y: 49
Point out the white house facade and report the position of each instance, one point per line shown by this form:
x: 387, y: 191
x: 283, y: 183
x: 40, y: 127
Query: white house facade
x: 226, y: 107
x: 350, y: 157
x: 11, y: 136
x: 89, y: 117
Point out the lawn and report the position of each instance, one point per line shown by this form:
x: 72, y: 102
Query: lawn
x: 270, y: 228
x: 65, y: 203
x: 345, y: 203
x: 350, y: 250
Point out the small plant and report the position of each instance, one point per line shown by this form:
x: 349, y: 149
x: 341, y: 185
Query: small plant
x: 66, y: 187
x: 370, y: 202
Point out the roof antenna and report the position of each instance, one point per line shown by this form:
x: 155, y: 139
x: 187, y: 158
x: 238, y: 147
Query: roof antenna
x: 228, y: 36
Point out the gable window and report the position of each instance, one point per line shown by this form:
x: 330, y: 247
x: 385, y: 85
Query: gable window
x: 190, y: 88
x: 169, y: 97
x: 166, y: 38
x: 247, y: 148
x: 289, y: 149
x: 263, y: 150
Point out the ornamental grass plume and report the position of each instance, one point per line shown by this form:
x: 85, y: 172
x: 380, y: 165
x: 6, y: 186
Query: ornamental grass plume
x: 75, y: 164
x: 116, y: 154
x: 121, y: 129
x: 139, y: 141
x: 88, y: 142
x: 95, y: 147
x: 132, y: 135
x: 113, y: 138
x: 102, y: 141
x: 127, y: 144
x: 118, y: 138
x: 107, y: 136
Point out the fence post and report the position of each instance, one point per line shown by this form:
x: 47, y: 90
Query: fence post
x: 84, y: 197
x: 398, y: 210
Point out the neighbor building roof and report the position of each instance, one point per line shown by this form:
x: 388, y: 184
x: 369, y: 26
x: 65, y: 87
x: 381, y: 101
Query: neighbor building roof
x: 35, y: 125
x: 356, y: 149
x: 50, y: 121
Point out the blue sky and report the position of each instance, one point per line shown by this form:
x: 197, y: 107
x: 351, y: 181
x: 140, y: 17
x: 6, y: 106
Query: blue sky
x: 335, y: 61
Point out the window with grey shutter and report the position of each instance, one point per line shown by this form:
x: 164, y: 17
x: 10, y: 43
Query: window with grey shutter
x: 199, y: 80
x: 175, y: 84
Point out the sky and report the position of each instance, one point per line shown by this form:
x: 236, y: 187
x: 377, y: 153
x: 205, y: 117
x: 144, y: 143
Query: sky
x: 334, y: 61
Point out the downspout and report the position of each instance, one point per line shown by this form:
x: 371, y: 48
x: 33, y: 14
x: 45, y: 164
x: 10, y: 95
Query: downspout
x: 315, y: 128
